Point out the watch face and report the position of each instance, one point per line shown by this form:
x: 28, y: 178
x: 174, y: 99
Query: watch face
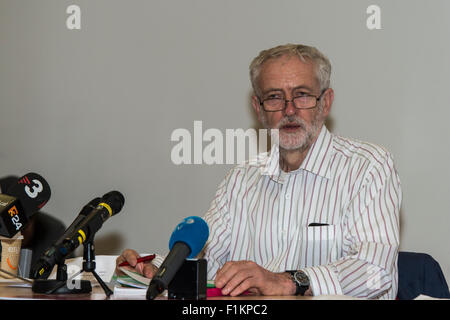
x: 301, y: 278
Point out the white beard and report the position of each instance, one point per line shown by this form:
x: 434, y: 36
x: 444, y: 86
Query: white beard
x: 302, y: 138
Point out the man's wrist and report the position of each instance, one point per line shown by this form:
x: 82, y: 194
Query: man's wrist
x: 290, y: 285
x: 301, y: 282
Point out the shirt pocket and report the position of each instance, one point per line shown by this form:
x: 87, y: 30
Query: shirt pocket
x: 318, y: 244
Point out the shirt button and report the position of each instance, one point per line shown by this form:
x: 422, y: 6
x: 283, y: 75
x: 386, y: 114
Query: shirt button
x: 288, y: 196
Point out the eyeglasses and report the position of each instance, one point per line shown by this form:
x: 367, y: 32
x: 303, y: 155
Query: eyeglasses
x: 276, y: 102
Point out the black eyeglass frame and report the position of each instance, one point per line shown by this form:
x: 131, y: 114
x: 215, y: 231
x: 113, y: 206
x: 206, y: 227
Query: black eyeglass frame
x: 261, y: 103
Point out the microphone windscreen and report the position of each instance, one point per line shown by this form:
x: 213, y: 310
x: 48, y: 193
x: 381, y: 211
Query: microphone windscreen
x: 32, y: 190
x: 194, y: 232
x: 115, y: 200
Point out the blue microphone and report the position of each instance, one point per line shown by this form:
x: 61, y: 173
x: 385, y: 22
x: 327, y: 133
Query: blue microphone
x: 193, y: 231
x: 187, y: 240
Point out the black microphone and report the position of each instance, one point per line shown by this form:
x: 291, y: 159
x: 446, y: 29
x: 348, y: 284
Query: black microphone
x: 90, y: 219
x: 81, y: 216
x: 52, y: 255
x: 187, y: 241
x: 20, y: 201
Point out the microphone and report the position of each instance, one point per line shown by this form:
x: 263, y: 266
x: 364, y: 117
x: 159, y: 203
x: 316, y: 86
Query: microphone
x: 186, y: 241
x: 52, y: 255
x: 82, y: 215
x: 21, y: 200
x: 83, y: 229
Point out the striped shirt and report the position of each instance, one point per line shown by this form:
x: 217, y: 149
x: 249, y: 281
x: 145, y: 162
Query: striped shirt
x: 336, y: 218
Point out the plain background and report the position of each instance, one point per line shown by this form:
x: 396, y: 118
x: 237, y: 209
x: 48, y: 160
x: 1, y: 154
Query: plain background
x: 93, y: 110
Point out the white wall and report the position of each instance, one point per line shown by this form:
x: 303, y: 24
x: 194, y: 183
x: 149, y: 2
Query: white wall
x: 93, y: 110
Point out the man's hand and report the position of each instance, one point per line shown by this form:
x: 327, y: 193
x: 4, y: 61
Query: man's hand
x: 236, y: 277
x: 147, y: 269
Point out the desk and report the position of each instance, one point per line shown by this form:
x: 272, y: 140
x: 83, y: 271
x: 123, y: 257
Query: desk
x: 95, y: 304
x: 19, y: 293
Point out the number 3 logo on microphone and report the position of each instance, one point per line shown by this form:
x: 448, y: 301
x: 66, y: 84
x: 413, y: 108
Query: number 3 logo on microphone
x: 35, y: 189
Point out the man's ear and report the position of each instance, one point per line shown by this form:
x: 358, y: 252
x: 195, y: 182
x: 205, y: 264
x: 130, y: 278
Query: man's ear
x: 256, y: 107
x: 328, y: 98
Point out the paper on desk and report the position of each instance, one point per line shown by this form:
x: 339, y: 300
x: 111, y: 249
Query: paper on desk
x: 133, y: 279
x: 120, y: 290
x: 132, y: 284
x: 104, y: 266
x: 128, y: 291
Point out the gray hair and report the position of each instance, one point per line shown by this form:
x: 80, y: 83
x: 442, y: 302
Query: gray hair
x: 323, y: 65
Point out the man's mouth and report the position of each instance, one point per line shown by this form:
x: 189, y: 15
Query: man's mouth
x: 290, y: 127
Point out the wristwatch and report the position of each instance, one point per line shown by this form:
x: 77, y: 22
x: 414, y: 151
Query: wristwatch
x: 301, y: 281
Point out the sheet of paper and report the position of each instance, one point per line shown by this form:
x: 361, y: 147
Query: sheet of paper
x: 132, y: 284
x: 136, y: 276
x: 105, y: 267
x: 128, y: 291
x: 120, y: 290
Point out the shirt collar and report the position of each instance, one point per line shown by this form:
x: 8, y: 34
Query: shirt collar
x: 316, y: 161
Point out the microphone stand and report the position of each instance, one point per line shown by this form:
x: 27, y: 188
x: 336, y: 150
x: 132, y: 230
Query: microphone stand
x: 89, y: 266
x: 62, y: 285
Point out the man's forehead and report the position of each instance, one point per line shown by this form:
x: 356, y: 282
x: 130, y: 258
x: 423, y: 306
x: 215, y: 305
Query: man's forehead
x: 288, y: 69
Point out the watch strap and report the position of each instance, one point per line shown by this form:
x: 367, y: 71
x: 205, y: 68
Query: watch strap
x: 300, y: 288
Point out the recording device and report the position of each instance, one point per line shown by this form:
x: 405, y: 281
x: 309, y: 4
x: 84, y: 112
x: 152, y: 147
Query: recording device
x: 187, y: 241
x: 82, y: 230
x: 189, y: 283
x: 20, y: 201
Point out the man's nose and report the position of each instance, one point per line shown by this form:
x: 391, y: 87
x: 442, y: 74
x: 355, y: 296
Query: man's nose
x: 290, y: 108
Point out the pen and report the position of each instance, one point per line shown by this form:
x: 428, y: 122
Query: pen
x: 142, y: 259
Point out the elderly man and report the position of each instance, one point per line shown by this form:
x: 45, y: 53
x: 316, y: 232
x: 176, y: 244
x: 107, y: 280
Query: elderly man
x: 319, y: 213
